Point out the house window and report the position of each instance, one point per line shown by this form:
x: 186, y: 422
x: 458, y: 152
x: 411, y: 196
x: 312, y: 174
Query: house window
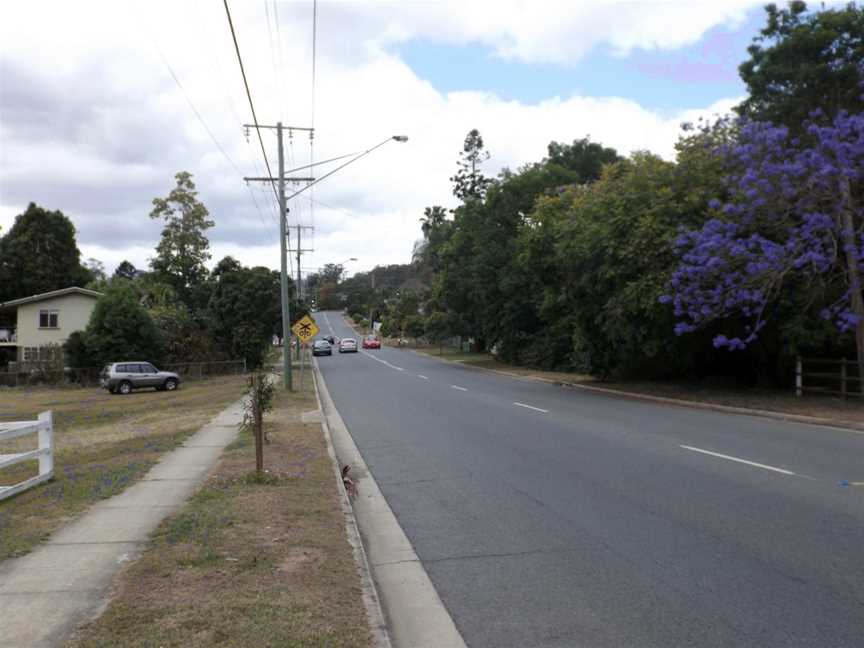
x: 31, y: 354
x: 48, y: 319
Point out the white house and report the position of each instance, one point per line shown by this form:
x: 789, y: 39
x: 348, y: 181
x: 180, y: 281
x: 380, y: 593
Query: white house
x: 30, y: 325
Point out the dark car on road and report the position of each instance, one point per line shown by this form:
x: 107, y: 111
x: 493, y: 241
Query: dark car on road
x: 321, y: 347
x: 123, y: 377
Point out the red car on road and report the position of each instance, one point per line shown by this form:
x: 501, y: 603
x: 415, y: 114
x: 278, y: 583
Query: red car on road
x: 371, y: 342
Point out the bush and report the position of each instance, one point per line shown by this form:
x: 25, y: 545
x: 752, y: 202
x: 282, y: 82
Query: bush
x: 77, y: 354
x: 120, y: 328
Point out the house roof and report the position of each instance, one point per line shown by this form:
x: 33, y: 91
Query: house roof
x: 73, y: 290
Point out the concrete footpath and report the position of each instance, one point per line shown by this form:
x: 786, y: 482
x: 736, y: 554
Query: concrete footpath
x: 47, y: 594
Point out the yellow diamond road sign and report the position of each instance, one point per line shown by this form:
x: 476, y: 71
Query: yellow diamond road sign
x: 305, y: 328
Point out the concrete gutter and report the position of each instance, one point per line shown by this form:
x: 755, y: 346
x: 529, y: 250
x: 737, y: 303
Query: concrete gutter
x: 371, y: 600
x: 847, y: 426
x: 415, y: 613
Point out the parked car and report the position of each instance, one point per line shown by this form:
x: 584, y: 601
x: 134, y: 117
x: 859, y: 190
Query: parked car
x: 347, y: 345
x: 321, y: 347
x: 371, y: 342
x: 123, y: 377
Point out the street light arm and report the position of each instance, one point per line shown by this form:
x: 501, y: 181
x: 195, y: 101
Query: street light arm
x: 314, y: 164
x: 397, y: 138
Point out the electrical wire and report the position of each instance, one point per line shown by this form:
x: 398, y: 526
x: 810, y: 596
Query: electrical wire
x: 281, y: 59
x: 203, y: 122
x: 251, y: 104
x: 312, y: 116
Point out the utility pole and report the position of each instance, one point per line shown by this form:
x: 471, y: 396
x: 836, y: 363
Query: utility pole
x: 283, y: 249
x: 300, y: 251
x: 371, y: 304
x: 283, y: 257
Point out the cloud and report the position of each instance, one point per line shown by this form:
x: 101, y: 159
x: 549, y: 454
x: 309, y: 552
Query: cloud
x: 554, y: 31
x: 92, y: 122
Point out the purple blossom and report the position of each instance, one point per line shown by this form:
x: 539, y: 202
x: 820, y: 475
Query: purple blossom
x: 781, y: 223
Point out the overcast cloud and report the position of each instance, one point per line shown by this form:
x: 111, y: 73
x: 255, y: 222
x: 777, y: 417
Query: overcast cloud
x: 92, y: 122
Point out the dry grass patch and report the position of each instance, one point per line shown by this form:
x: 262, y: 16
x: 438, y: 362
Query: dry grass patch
x: 849, y: 412
x: 103, y: 445
x: 247, y: 562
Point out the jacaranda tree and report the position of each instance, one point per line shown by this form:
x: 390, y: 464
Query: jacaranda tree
x: 792, y: 227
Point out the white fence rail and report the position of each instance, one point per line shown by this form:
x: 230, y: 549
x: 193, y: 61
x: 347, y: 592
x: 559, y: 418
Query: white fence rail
x: 44, y: 427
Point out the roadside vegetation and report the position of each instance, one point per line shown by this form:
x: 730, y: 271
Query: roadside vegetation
x: 174, y: 312
x: 103, y: 444
x: 848, y: 413
x: 744, y: 251
x: 250, y: 561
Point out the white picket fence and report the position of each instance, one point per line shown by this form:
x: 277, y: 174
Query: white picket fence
x: 44, y: 427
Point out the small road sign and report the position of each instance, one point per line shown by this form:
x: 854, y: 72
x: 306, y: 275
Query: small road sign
x: 305, y: 328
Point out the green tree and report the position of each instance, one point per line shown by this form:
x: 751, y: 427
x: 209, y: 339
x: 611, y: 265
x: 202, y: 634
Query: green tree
x: 469, y: 182
x: 802, y: 61
x: 96, y: 269
x: 184, y: 248
x: 125, y: 271
x: 415, y: 326
x: 39, y: 254
x: 583, y: 157
x: 245, y: 312
x: 77, y: 354
x: 120, y: 328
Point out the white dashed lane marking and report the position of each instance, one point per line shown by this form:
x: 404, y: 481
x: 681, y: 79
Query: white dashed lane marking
x: 531, y: 407
x: 743, y: 461
x: 384, y: 362
x: 458, y: 387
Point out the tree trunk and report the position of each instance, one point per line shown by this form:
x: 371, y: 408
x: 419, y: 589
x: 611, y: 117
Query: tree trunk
x: 259, y: 445
x: 850, y: 246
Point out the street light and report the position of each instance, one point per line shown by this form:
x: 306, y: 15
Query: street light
x: 393, y: 138
x: 342, y: 265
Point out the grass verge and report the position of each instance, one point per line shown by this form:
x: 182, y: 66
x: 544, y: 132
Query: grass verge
x: 103, y: 444
x: 247, y: 563
x: 849, y: 413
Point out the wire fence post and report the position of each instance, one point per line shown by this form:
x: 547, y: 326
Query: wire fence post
x: 799, y: 387
x: 843, y: 378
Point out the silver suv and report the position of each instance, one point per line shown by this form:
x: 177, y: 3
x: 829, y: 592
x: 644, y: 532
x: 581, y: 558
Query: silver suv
x: 123, y: 377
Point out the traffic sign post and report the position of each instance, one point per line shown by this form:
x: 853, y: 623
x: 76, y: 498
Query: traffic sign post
x: 305, y: 329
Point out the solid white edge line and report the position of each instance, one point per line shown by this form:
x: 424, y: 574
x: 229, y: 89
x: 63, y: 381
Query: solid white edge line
x: 743, y: 461
x: 459, y: 388
x: 531, y: 407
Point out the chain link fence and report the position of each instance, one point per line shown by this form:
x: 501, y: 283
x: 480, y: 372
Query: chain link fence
x: 89, y: 376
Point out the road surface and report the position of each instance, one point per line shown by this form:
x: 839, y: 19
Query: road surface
x: 551, y: 517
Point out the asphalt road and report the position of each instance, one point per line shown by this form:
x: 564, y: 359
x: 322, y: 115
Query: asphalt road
x: 551, y: 517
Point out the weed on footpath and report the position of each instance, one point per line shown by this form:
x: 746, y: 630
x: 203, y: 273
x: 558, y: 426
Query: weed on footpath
x: 248, y: 561
x: 103, y: 444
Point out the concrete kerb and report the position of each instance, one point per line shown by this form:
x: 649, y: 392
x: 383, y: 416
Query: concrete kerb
x: 371, y: 601
x: 417, y: 616
x: 846, y: 426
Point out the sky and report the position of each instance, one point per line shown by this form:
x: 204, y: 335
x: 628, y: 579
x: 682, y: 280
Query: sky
x: 101, y: 103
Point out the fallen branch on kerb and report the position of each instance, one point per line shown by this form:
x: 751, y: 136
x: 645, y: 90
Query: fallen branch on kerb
x: 257, y: 401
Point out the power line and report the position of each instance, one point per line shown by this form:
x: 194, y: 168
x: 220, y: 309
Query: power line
x: 203, y: 122
x: 312, y: 117
x: 251, y: 104
x: 281, y: 59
